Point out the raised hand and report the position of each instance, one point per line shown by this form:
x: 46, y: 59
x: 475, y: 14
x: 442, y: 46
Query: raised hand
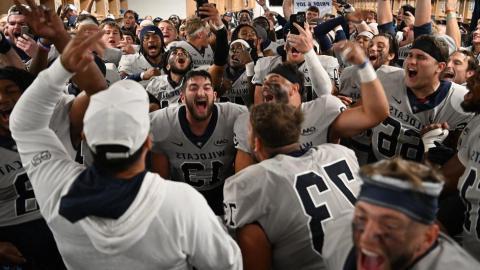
x: 350, y: 52
x: 213, y: 16
x: 303, y: 42
x: 28, y: 45
x: 42, y: 21
x: 78, y: 53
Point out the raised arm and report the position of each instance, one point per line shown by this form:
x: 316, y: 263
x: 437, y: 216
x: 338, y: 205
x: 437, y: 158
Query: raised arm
x: 452, y: 25
x: 384, y: 12
x: 46, y: 24
x: 374, y: 108
x: 89, y: 6
x: 287, y: 7
x: 322, y: 85
x: 423, y: 18
x: 34, y: 109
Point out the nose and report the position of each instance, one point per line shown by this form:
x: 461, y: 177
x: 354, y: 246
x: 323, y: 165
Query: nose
x: 450, y: 64
x: 370, y: 233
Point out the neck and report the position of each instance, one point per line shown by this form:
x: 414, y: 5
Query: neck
x: 197, y: 43
x: 476, y: 48
x: 134, y: 169
x: 426, y: 91
x: 155, y: 60
x: 176, y: 77
x: 270, y: 152
x: 198, y: 127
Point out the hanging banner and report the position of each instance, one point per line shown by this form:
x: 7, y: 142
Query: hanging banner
x: 325, y: 6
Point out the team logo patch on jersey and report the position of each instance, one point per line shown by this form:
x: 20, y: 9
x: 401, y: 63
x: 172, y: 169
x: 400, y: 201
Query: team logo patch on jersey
x: 221, y: 142
x: 308, y: 131
x: 399, y: 101
x: 40, y: 157
x: 179, y: 144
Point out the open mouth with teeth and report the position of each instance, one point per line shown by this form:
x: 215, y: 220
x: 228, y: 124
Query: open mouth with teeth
x: 412, y: 73
x: 181, y: 60
x: 5, y: 115
x: 448, y: 74
x: 295, y: 53
x: 370, y: 260
x: 267, y: 96
x: 201, y: 105
x: 152, y: 48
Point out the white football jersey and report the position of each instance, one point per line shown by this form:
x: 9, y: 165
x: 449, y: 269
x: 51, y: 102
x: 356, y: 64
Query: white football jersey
x: 293, y: 197
x: 199, y: 58
x: 18, y: 203
x: 318, y: 114
x: 399, y: 134
x: 167, y: 94
x: 266, y: 64
x: 202, y: 162
x: 134, y: 63
x: 168, y: 225
x: 469, y: 185
x: 350, y: 87
x: 338, y: 251
x: 239, y: 93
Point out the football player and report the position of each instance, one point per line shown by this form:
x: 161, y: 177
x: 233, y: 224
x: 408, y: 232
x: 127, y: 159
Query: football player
x: 418, y: 99
x: 461, y: 65
x: 193, y: 143
x: 21, y: 223
x: 393, y: 225
x: 20, y: 210
x: 145, y: 64
x: 324, y: 119
x: 382, y: 53
x: 166, y: 88
x: 299, y: 57
x: 197, y: 40
x: 114, y: 214
x: 463, y: 169
x: 279, y: 207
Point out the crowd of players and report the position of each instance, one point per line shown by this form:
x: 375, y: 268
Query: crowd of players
x: 346, y: 142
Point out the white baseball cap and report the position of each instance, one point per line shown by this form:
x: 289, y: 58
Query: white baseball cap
x: 118, y: 116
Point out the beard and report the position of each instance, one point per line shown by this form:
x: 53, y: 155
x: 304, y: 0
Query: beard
x: 192, y: 109
x: 179, y: 71
x: 279, y: 94
x: 470, y: 107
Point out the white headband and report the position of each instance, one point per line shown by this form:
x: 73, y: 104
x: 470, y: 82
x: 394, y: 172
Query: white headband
x: 241, y: 41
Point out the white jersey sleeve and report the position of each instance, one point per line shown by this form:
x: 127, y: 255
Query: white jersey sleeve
x: 240, y: 134
x: 350, y: 83
x: 160, y: 124
x: 263, y: 66
x: 45, y: 159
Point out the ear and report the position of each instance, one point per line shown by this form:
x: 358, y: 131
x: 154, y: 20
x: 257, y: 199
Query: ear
x: 391, y: 56
x: 470, y: 73
x: 430, y: 235
x: 441, y: 67
x: 182, y: 96
x: 214, y: 95
x: 295, y: 89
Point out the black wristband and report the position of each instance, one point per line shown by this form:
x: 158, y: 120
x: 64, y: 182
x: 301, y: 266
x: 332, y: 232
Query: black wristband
x: 4, y: 44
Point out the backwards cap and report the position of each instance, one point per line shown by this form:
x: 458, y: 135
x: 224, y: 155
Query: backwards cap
x: 118, y: 116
